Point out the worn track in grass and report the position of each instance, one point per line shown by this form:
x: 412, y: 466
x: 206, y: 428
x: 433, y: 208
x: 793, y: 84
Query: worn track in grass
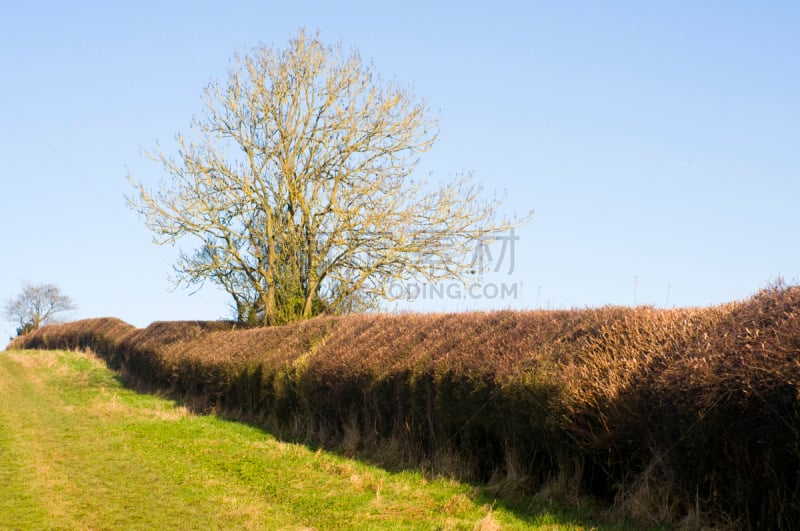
x: 80, y: 451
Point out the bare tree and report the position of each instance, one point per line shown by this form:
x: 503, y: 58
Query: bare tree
x: 297, y: 187
x: 37, y: 305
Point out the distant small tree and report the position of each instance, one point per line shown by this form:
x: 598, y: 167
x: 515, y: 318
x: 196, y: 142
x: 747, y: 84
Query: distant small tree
x: 36, y: 305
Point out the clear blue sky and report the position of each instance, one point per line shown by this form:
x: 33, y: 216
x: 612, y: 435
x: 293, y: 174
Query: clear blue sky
x: 658, y: 142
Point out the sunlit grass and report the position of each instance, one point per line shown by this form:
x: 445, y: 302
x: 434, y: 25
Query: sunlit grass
x: 79, y: 451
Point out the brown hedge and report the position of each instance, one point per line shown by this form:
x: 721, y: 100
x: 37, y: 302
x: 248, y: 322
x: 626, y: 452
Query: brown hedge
x: 103, y: 335
x: 702, y: 403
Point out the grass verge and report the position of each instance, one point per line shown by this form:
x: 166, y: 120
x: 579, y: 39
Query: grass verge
x: 80, y: 451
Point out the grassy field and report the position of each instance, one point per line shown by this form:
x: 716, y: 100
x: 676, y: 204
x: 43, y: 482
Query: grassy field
x: 80, y: 451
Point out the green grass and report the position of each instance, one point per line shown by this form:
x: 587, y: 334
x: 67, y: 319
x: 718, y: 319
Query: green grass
x: 80, y: 451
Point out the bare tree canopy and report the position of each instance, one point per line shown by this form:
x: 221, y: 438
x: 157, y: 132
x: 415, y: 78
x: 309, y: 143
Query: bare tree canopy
x: 37, y: 305
x: 296, y: 187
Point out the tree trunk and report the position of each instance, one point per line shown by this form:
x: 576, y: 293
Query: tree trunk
x: 269, y: 306
x: 308, y: 307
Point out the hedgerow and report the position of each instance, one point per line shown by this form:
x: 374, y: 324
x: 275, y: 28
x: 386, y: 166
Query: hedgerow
x: 662, y: 412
